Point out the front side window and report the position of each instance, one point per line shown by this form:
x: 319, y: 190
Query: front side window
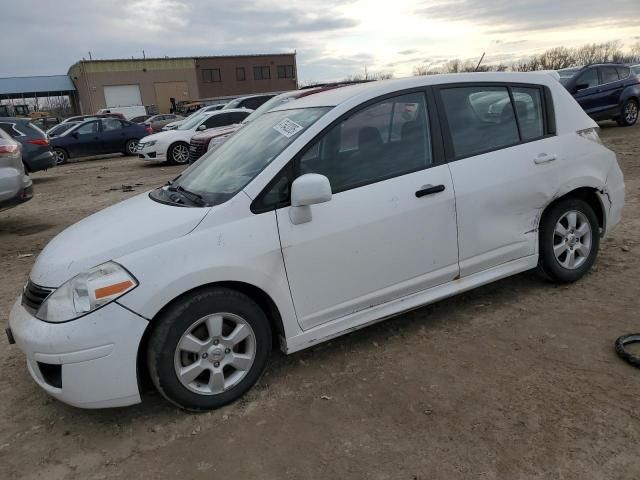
x: 588, y: 79
x: 261, y: 73
x: 528, y: 103
x: 623, y: 72
x: 88, y: 128
x: 384, y: 140
x: 480, y: 119
x: 609, y: 75
x: 223, y: 172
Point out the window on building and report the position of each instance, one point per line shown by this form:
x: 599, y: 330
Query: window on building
x: 286, y: 71
x: 241, y: 75
x: 211, y: 75
x: 261, y: 73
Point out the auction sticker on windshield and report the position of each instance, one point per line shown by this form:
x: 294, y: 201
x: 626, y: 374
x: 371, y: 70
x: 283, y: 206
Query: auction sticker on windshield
x: 287, y: 127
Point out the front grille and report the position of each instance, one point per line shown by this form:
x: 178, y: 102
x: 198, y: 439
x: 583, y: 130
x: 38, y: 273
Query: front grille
x: 196, y: 150
x: 33, y: 295
x: 139, y: 147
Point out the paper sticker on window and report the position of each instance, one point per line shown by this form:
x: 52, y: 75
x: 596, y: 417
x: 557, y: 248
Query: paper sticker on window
x: 287, y: 128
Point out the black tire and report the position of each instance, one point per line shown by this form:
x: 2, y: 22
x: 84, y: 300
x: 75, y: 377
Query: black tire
x: 61, y: 156
x: 176, y: 320
x: 175, y: 154
x: 621, y: 342
x: 550, y: 266
x: 628, y: 114
x: 130, y: 147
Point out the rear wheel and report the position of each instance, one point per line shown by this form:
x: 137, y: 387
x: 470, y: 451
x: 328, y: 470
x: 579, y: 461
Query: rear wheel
x: 209, y: 349
x: 569, y: 240
x: 629, y: 114
x: 178, y: 154
x: 61, y: 156
x: 130, y: 147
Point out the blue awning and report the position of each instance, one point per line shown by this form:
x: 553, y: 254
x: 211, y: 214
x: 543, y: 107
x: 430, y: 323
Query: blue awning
x: 36, y: 85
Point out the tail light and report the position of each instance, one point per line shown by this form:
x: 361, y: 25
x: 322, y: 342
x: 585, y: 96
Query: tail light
x: 9, y: 148
x: 149, y: 130
x: 43, y: 142
x: 590, y: 134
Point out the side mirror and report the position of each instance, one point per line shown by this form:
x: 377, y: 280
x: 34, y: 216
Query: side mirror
x: 307, y: 190
x: 202, y: 127
x: 75, y: 134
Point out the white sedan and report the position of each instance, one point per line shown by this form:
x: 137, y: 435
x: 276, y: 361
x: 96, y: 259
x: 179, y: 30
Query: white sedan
x: 173, y: 146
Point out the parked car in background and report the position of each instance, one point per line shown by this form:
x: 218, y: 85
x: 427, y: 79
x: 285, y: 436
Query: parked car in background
x: 45, y: 123
x: 605, y: 91
x: 126, y: 112
x: 61, y: 128
x: 82, y: 118
x: 36, y: 150
x: 156, y: 122
x: 16, y: 186
x: 318, y: 218
x: 212, y: 138
x: 140, y: 118
x: 251, y: 102
x: 173, y: 146
x: 177, y: 123
x: 96, y: 137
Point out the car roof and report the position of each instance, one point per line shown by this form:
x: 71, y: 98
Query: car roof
x: 230, y: 110
x: 335, y: 96
x: 15, y: 119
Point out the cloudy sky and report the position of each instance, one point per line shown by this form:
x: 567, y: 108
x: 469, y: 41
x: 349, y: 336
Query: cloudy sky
x: 333, y: 38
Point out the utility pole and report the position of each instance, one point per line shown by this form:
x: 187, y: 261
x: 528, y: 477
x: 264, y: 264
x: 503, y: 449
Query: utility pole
x: 90, y: 57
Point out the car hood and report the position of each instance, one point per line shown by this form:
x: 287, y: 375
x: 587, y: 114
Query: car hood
x: 169, y: 136
x: 128, y: 226
x: 217, y: 132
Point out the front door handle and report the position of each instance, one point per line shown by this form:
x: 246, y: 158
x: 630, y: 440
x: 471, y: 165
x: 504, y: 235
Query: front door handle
x: 544, y: 158
x: 429, y: 190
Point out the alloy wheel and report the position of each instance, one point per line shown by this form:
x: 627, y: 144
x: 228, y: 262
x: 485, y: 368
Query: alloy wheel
x: 631, y: 112
x: 180, y: 154
x: 131, y: 146
x: 215, y: 353
x: 60, y: 157
x: 572, y: 239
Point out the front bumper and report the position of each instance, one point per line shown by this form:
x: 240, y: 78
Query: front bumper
x: 152, y: 153
x: 89, y: 362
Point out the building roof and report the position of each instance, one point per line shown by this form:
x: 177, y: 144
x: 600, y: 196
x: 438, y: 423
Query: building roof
x: 44, y: 84
x: 201, y: 57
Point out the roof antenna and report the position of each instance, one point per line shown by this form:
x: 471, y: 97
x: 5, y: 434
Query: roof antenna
x: 481, y: 58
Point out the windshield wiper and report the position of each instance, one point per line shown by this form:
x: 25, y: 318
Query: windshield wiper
x: 194, y: 197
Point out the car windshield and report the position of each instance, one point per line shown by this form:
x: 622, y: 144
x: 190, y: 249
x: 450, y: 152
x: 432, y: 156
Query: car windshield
x: 232, y: 104
x: 192, y: 122
x: 223, y: 172
x: 269, y: 105
x: 567, y: 74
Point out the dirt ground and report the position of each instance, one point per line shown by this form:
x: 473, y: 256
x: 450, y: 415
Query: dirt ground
x: 515, y: 380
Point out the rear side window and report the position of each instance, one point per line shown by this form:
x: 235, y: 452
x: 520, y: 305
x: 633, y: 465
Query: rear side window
x: 528, y: 105
x: 109, y: 124
x: 88, y: 128
x: 608, y: 75
x: 480, y: 119
x: 623, y: 72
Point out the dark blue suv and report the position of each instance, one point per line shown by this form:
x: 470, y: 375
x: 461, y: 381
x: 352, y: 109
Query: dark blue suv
x: 96, y: 137
x: 605, y: 91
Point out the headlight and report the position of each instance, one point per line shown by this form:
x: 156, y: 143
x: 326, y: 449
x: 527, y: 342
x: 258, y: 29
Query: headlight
x: 150, y: 143
x: 216, y: 142
x: 87, y: 292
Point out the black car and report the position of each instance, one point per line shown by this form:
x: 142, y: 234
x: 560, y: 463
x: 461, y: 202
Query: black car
x: 605, y: 91
x: 36, y: 150
x: 251, y: 102
x: 96, y: 137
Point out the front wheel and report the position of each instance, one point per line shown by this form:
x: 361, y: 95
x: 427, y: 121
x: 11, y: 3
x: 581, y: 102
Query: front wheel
x: 569, y: 239
x: 61, y: 156
x: 209, y: 349
x: 629, y: 112
x: 178, y: 154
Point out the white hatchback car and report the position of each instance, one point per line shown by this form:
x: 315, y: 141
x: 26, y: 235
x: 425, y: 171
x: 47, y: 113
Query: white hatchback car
x: 173, y: 145
x: 324, y: 215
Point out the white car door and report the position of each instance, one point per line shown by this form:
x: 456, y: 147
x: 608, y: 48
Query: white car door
x: 502, y: 169
x: 390, y: 228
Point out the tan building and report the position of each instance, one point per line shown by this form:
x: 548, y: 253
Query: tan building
x: 154, y: 81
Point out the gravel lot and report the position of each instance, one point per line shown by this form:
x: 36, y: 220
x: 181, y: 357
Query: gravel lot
x: 515, y: 380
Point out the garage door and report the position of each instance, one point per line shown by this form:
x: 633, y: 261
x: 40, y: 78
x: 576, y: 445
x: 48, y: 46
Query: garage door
x: 122, y: 95
x: 167, y: 90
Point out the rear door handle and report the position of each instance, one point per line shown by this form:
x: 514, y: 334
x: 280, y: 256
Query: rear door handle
x: 544, y: 158
x: 429, y: 190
